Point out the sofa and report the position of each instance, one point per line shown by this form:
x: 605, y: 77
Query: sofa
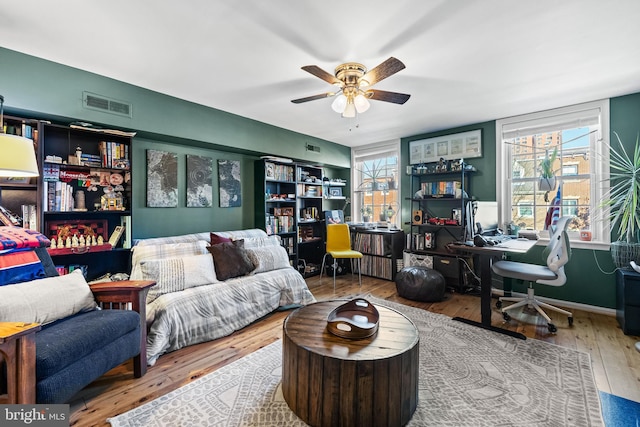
x: 197, y: 298
x: 54, y: 337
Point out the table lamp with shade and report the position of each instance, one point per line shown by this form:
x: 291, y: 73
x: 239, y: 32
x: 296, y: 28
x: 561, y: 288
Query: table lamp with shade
x: 17, y: 156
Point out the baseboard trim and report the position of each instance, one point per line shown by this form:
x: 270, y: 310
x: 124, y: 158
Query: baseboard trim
x: 567, y: 304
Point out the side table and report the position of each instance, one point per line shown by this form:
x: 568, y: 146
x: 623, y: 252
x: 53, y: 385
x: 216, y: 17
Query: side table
x: 332, y: 381
x: 18, y: 345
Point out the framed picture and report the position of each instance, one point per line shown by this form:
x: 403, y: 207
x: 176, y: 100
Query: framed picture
x: 162, y: 179
x: 199, y: 181
x: 287, y: 211
x: 457, y: 146
x: 335, y: 192
x: 229, y: 183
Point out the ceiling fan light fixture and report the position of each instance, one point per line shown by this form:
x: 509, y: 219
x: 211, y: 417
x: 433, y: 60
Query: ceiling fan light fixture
x: 349, y: 110
x: 361, y: 103
x: 338, y: 105
x: 354, y: 81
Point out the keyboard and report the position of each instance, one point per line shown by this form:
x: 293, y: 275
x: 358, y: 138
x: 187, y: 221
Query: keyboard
x: 500, y: 238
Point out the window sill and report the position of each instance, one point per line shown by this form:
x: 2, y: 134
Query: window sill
x: 581, y: 244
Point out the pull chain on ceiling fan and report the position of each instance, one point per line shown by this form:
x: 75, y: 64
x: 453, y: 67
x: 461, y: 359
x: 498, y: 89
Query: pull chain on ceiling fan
x: 354, y: 84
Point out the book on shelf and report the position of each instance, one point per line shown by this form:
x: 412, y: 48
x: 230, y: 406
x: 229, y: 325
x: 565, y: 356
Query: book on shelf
x: 125, y: 221
x: 29, y: 217
x: 116, y: 235
x: 114, y: 155
x: 57, y: 196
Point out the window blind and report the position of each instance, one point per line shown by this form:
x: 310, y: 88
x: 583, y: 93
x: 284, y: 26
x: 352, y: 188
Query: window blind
x: 548, y: 124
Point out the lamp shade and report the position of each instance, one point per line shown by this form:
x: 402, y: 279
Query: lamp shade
x: 362, y: 103
x: 339, y: 103
x: 17, y: 158
x: 349, y: 110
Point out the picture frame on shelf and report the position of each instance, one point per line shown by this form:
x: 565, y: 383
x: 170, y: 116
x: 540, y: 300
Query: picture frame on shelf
x: 335, y: 192
x: 287, y: 211
x: 463, y: 145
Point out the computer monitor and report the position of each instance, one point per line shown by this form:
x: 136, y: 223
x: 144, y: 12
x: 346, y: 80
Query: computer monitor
x: 486, y: 218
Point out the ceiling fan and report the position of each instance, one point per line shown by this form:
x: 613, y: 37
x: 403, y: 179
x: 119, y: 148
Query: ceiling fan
x: 354, y: 82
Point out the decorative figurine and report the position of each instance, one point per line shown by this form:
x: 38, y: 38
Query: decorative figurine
x: 100, y: 240
x: 93, y: 241
x: 74, y: 241
x: 67, y: 243
x: 81, y: 240
x: 53, y: 243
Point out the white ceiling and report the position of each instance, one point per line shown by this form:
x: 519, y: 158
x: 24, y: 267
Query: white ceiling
x: 467, y: 61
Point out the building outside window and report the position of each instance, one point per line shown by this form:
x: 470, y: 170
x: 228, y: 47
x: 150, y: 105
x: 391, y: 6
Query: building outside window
x: 579, y: 137
x: 376, y: 184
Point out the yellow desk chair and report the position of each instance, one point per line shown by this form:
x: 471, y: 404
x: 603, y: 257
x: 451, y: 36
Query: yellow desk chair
x: 339, y: 247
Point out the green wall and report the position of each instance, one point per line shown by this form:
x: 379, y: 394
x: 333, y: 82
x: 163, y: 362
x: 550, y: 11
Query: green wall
x: 590, y: 273
x: 37, y: 88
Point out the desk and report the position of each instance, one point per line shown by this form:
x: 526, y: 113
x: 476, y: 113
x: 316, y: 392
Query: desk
x: 485, y: 256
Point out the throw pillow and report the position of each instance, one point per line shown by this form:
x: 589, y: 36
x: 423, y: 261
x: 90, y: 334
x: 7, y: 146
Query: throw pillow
x: 46, y: 300
x: 259, y: 242
x: 20, y: 266
x: 169, y: 250
x: 217, y: 238
x: 178, y: 274
x: 268, y: 258
x: 231, y: 259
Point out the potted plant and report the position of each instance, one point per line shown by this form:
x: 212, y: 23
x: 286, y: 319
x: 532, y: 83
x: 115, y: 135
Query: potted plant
x: 624, y: 203
x: 366, y: 211
x: 547, y: 174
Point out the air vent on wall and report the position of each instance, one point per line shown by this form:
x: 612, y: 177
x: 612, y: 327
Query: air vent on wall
x: 313, y: 148
x: 105, y: 104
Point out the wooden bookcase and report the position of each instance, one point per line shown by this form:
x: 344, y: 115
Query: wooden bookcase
x: 289, y: 204
x: 102, y: 177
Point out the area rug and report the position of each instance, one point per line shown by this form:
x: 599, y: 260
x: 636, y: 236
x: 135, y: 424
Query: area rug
x: 618, y: 411
x: 468, y: 377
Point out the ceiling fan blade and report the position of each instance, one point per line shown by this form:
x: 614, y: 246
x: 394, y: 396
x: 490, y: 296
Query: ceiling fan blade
x: 383, y: 95
x: 319, y: 72
x: 382, y: 71
x: 312, y: 98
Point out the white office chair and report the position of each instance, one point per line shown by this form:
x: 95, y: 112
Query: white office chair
x: 558, y: 253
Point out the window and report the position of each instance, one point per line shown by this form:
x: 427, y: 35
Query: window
x: 376, y: 183
x: 577, y: 136
x: 525, y: 209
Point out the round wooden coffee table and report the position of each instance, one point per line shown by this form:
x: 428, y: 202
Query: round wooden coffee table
x: 333, y: 381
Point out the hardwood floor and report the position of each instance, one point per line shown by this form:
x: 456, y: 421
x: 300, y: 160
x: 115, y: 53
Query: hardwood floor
x: 616, y: 363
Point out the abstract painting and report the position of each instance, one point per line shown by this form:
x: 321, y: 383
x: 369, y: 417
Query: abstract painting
x: 162, y: 179
x: 199, y: 181
x: 229, y: 183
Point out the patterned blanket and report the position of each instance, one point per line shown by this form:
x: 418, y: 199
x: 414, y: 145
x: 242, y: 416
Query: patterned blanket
x: 205, y: 313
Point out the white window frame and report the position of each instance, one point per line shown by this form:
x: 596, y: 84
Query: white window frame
x: 371, y: 151
x: 599, y: 171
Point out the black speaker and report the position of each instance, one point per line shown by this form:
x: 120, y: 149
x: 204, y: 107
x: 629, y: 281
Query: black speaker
x: 481, y: 241
x: 417, y: 217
